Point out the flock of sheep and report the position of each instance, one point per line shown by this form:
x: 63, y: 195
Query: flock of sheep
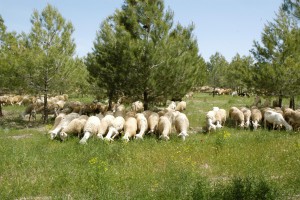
x: 120, y: 123
x: 93, y: 119
x: 247, y: 118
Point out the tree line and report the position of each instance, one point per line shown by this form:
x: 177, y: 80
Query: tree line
x: 139, y: 52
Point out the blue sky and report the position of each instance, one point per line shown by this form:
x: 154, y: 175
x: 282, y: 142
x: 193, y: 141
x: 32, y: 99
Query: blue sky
x: 225, y: 26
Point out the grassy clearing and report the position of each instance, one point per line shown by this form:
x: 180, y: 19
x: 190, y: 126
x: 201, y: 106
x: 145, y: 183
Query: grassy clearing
x: 229, y: 164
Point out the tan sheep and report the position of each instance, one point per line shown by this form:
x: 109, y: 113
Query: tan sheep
x: 106, y: 122
x: 130, y: 128
x: 153, y: 122
x: 247, y: 116
x: 164, y: 127
x: 182, y: 125
x: 115, y: 129
x: 256, y: 117
x: 75, y: 127
x: 237, y: 116
x: 181, y: 106
x: 90, y: 128
x: 142, y: 124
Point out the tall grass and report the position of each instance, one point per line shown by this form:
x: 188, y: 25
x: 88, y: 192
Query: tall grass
x: 228, y: 164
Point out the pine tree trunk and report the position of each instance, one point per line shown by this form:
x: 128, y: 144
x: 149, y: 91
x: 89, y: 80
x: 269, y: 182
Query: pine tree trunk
x: 280, y: 101
x: 1, y: 113
x: 292, y: 103
x: 145, y: 100
x: 45, y: 107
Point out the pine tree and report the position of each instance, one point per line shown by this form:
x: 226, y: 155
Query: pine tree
x: 138, y: 53
x: 278, y: 58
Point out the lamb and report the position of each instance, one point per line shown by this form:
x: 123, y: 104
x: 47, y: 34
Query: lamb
x: 106, y: 122
x: 90, y: 128
x: 182, y: 125
x: 275, y: 119
x: 75, y: 127
x: 247, y: 115
x: 116, y: 127
x: 181, y: 106
x: 137, y: 106
x: 142, y: 124
x: 237, y: 116
x: 172, y: 106
x: 256, y: 117
x: 62, y: 124
x: 130, y: 128
x: 153, y: 122
x: 164, y: 127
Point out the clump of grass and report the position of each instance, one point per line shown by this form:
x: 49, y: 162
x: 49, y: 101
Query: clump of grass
x: 237, y: 188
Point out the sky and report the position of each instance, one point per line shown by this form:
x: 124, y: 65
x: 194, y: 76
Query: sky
x: 225, y: 26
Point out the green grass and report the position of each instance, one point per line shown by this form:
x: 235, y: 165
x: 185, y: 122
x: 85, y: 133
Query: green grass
x: 228, y: 164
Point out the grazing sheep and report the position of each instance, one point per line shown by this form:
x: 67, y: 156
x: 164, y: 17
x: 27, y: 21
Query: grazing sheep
x: 182, y: 125
x: 130, y: 128
x: 137, y: 106
x: 275, y: 119
x: 75, y: 127
x: 287, y: 114
x: 153, y: 122
x: 90, y: 128
x: 237, y: 116
x: 63, y: 123
x: 210, y: 120
x: 247, y: 116
x: 221, y: 116
x: 164, y: 127
x: 106, y: 122
x: 115, y: 129
x: 142, y: 125
x: 214, y: 118
x: 295, y: 119
x: 29, y: 110
x: 181, y: 106
x: 256, y: 117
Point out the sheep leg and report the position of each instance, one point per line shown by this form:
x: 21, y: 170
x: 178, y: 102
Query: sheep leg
x: 85, y: 138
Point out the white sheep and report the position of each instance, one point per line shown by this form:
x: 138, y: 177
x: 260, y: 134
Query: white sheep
x: 182, y: 125
x: 63, y: 123
x: 115, y: 129
x: 256, y: 117
x: 90, y: 128
x: 130, y: 128
x: 75, y: 127
x: 137, y: 106
x: 164, y: 127
x: 106, y: 122
x: 181, y: 106
x: 214, y: 118
x: 237, y: 116
x: 247, y: 116
x: 210, y: 120
x: 142, y: 125
x: 276, y: 119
